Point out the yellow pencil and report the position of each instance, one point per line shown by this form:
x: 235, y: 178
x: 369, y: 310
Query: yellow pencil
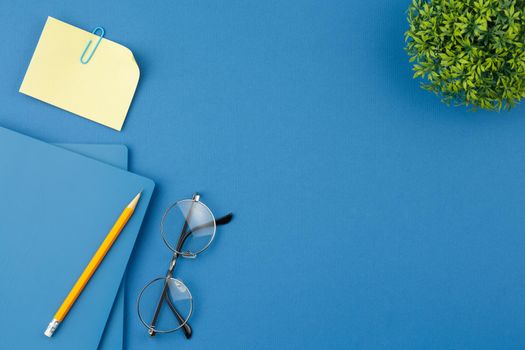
x: 92, y: 266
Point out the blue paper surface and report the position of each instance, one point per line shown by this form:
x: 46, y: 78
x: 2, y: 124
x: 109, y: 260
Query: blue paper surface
x: 369, y: 215
x: 54, y: 216
x: 116, y: 155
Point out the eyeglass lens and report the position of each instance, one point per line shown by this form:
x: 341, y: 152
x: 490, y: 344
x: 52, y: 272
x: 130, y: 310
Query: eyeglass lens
x: 197, y: 223
x: 175, y: 310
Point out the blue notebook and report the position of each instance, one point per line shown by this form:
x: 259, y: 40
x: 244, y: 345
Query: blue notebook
x: 56, y: 208
x: 116, y: 155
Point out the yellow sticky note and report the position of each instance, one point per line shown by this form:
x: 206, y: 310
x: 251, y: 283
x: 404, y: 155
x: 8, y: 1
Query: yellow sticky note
x: 100, y: 90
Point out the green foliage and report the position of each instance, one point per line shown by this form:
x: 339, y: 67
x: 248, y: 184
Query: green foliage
x: 469, y: 51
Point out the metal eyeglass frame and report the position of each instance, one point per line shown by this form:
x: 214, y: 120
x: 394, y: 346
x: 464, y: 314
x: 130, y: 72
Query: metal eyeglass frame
x: 165, y: 297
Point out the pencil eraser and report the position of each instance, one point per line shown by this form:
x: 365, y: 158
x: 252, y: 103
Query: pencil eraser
x: 51, y: 328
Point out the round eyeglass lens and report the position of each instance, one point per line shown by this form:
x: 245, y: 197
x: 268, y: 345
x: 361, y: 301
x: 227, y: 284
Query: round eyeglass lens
x: 188, y: 227
x: 175, y: 309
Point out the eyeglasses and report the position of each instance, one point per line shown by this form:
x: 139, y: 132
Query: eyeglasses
x: 198, y: 231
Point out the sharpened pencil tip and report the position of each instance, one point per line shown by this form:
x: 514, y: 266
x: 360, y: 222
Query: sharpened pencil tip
x: 135, y: 200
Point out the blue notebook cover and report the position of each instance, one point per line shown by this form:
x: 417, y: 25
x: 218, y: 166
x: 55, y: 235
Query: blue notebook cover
x: 116, y: 155
x: 56, y: 207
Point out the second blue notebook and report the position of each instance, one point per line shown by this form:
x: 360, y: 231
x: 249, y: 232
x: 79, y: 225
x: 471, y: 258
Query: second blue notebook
x: 56, y: 207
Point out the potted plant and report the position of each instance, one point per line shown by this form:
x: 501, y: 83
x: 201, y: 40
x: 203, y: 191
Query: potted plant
x: 471, y: 52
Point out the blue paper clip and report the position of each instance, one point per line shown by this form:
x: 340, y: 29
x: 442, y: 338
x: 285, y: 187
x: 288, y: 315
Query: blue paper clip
x: 102, y: 32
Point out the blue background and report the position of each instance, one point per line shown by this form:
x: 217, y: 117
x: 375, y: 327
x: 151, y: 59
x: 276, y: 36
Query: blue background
x: 368, y: 214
